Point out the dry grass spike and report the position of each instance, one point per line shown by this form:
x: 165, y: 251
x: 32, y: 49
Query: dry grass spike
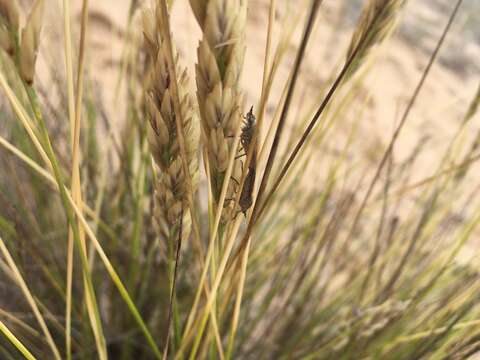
x: 220, y: 62
x: 30, y: 42
x: 9, y: 24
x: 171, y: 184
x: 377, y: 20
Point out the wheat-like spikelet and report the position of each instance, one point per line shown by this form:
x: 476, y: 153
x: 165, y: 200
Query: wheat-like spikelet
x: 9, y: 23
x: 171, y: 184
x: 29, y: 40
x: 377, y: 20
x: 220, y: 60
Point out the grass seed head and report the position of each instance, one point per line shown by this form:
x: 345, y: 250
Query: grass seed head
x: 220, y: 62
x: 30, y: 42
x: 171, y: 186
x: 9, y: 24
x: 376, y: 22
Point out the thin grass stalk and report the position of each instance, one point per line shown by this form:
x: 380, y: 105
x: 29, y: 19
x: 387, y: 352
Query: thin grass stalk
x: 77, y: 195
x: 448, y: 171
x: 69, y: 66
x: 30, y: 128
x: 264, y: 93
x: 212, y: 241
x: 238, y: 302
x: 173, y: 288
x: 279, y: 130
x: 15, y: 320
x: 72, y: 117
x: 250, y: 154
x: 17, y: 343
x: 215, y: 287
x: 30, y: 299
x: 315, y: 5
x: 473, y: 107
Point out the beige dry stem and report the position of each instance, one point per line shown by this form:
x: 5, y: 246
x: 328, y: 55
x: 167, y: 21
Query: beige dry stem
x: 171, y: 184
x: 220, y: 60
x: 377, y: 20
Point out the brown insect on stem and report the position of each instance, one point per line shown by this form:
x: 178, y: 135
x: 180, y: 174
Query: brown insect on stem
x: 245, y: 201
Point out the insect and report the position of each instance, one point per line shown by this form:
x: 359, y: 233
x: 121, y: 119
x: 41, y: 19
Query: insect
x: 248, y: 129
x: 246, y: 137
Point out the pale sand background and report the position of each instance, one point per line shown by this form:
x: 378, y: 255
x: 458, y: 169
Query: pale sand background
x: 439, y: 110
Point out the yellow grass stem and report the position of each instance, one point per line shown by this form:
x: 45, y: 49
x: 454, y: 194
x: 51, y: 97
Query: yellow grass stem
x: 13, y: 339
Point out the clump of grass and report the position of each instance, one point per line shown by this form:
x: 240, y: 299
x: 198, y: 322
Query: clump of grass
x: 316, y: 274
